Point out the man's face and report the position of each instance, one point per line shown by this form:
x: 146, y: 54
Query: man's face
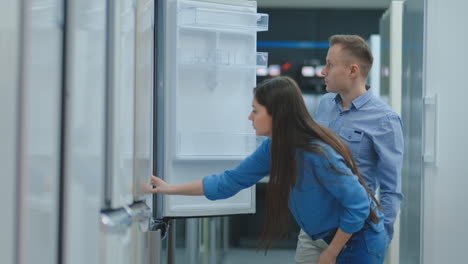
x: 336, y: 72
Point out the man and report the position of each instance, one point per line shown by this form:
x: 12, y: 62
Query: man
x: 372, y: 130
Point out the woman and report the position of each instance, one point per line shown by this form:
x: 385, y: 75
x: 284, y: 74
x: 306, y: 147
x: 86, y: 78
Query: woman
x: 311, y: 171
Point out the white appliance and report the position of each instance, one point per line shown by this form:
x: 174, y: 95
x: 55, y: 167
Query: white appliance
x: 37, y: 130
x: 433, y: 212
x: 84, y: 148
x: 125, y: 215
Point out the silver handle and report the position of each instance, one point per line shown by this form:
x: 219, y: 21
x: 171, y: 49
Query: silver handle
x: 430, y: 129
x: 115, y: 221
x: 141, y: 214
x: 139, y: 211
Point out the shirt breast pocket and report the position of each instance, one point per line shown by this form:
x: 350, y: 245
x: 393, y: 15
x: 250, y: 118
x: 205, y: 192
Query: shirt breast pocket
x: 353, y: 138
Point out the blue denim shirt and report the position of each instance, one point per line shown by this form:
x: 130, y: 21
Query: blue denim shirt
x: 321, y: 200
x: 374, y: 134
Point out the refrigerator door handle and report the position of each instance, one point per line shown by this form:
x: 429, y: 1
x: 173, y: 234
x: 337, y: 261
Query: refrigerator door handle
x: 139, y: 211
x: 116, y: 221
x: 141, y: 214
x: 430, y: 124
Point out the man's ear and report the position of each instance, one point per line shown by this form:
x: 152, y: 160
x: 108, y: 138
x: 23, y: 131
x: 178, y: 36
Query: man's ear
x: 354, y: 70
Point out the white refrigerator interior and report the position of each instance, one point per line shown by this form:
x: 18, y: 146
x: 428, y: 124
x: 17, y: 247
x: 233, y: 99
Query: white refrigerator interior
x: 40, y: 136
x: 9, y: 120
x: 85, y: 129
x: 144, y: 87
x: 209, y: 71
x: 119, y: 181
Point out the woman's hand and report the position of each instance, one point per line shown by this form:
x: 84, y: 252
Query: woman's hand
x: 330, y: 254
x: 159, y: 185
x: 162, y: 187
x: 327, y: 257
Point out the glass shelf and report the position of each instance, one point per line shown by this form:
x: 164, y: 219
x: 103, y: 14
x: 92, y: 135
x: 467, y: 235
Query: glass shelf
x: 214, y: 146
x: 223, y: 58
x: 219, y: 19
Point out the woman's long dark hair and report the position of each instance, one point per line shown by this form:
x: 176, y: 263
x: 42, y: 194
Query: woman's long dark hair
x: 293, y: 128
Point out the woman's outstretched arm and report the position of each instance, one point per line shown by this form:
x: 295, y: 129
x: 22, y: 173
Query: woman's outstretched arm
x: 190, y: 188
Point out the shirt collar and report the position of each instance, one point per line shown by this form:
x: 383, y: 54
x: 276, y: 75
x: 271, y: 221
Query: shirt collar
x: 358, y: 102
x: 362, y: 100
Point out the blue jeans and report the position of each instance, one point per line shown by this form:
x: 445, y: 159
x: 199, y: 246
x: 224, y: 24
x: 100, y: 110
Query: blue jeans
x: 364, y: 247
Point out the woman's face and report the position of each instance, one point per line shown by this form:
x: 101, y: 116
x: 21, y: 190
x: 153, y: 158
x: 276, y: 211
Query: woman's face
x: 260, y: 118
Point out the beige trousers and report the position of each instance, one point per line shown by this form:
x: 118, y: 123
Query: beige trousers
x: 308, y: 251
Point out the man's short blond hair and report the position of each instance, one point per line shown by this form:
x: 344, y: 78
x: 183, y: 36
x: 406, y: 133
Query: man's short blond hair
x: 355, y: 46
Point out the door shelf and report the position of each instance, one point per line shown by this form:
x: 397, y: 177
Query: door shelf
x: 223, y: 58
x: 222, y: 20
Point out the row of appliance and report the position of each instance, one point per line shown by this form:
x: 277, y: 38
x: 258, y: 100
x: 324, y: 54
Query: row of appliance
x: 99, y: 96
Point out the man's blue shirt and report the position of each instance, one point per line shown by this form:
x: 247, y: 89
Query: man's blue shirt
x: 322, y: 199
x: 373, y: 132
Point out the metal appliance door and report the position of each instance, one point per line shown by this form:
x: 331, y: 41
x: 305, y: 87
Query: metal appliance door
x: 116, y: 240
x: 40, y: 135
x: 121, y: 99
x: 143, y: 97
x: 9, y: 125
x: 85, y: 129
x: 141, y: 234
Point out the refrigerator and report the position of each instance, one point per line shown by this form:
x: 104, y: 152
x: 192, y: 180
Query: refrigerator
x: 125, y: 213
x: 433, y: 212
x: 35, y: 66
